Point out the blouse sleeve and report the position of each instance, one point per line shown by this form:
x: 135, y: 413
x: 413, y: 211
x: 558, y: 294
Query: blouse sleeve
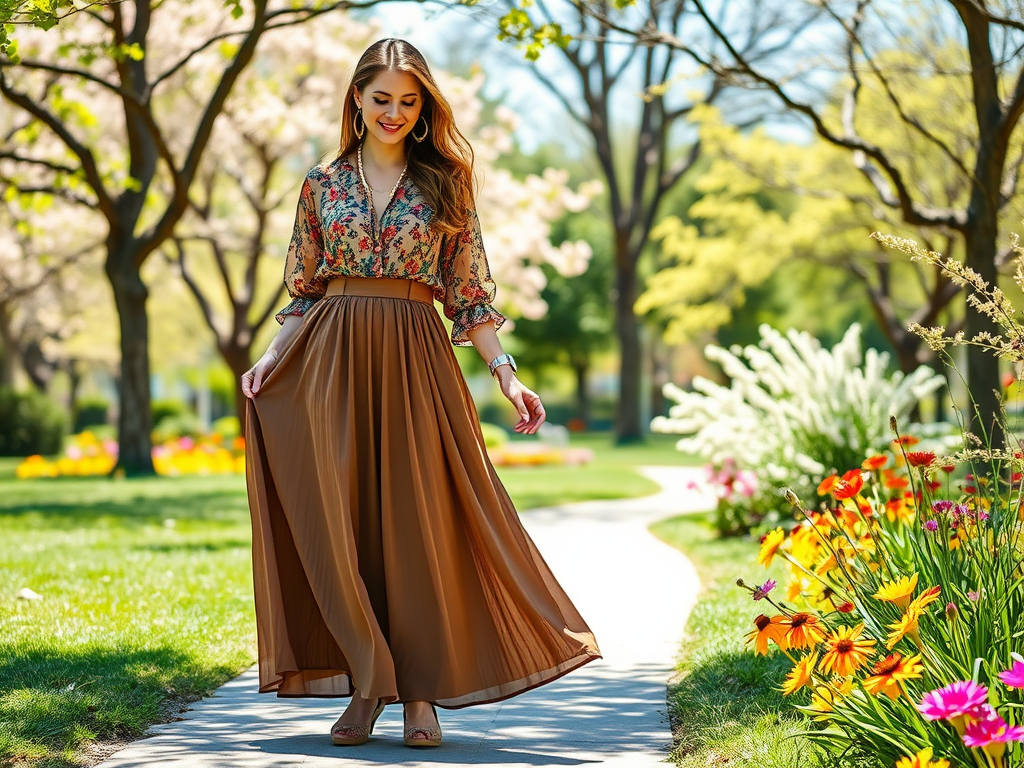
x: 468, y: 288
x: 305, y: 253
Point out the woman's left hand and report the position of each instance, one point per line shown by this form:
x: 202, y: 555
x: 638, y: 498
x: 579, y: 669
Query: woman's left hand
x: 526, y: 401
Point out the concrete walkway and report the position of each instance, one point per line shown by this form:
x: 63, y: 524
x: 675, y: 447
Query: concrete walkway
x: 635, y: 593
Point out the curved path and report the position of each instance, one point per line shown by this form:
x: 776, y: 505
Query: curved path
x: 635, y: 593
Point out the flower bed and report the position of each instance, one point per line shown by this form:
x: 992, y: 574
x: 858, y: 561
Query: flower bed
x: 87, y: 454
x: 904, y: 612
x: 537, y: 454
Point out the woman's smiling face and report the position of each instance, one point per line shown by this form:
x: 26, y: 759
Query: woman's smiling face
x: 391, y: 104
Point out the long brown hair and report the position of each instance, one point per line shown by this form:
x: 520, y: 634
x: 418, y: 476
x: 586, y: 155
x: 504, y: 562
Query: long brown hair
x: 442, y: 165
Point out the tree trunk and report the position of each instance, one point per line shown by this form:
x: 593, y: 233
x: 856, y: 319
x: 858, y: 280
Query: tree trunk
x: 627, y: 417
x: 582, y: 394
x: 134, y: 420
x: 238, y: 359
x: 982, y: 364
x: 9, y: 359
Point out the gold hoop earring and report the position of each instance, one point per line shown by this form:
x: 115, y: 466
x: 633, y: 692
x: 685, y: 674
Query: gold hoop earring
x: 355, y: 124
x: 426, y: 130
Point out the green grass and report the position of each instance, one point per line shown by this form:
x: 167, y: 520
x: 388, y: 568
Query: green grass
x: 725, y: 704
x: 147, y: 594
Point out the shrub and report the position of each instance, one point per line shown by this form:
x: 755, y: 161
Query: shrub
x: 227, y: 427
x: 175, y: 426
x: 494, y: 436
x: 90, y: 411
x: 793, y: 411
x: 30, y: 423
x: 161, y: 409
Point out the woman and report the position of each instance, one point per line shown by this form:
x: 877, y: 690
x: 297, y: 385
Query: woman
x: 388, y: 559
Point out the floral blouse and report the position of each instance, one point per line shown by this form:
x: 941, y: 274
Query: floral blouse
x: 336, y: 235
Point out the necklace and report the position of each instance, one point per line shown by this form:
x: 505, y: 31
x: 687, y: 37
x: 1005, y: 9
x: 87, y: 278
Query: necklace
x: 362, y: 177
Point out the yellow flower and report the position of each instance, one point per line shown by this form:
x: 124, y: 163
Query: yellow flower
x: 890, y: 673
x: 770, y: 546
x: 922, y: 759
x: 825, y: 696
x: 907, y: 625
x: 800, y: 675
x: 899, y: 591
x: 847, y: 652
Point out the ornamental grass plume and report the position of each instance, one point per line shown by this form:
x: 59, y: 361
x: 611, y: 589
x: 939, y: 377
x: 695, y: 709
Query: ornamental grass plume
x: 910, y: 567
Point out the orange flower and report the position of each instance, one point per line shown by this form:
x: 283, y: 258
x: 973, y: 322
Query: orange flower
x: 891, y: 672
x: 872, y: 463
x: 803, y: 630
x: 847, y: 652
x: 826, y: 485
x: 849, y: 486
x: 898, y: 592
x: 926, y: 598
x: 766, y: 629
x: 800, y: 675
x: 897, y: 509
x: 770, y: 546
x: 892, y: 481
x: 906, y: 441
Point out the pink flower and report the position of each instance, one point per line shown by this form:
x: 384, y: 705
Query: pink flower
x: 760, y: 593
x: 991, y: 729
x: 1014, y: 676
x: 931, y: 525
x: 959, y: 699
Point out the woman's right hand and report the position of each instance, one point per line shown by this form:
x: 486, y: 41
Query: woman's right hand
x: 253, y: 378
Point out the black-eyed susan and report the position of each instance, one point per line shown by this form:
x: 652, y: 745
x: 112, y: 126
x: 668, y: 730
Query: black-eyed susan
x: 801, y: 674
x: 846, y: 651
x: 898, y: 592
x: 803, y: 630
x: 922, y: 759
x: 888, y: 675
x: 770, y: 546
x: 765, y: 630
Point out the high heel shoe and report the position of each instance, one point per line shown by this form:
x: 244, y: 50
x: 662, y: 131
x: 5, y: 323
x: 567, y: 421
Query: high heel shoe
x: 353, y: 735
x: 431, y: 736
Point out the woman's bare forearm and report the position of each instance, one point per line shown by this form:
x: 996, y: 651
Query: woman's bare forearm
x: 289, y: 328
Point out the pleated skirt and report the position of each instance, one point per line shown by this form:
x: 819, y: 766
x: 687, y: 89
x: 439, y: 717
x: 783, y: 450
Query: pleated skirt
x: 387, y: 555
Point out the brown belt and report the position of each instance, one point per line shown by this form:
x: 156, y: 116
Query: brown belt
x: 385, y: 287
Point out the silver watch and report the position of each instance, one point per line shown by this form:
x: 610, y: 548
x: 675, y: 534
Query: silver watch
x: 501, y: 360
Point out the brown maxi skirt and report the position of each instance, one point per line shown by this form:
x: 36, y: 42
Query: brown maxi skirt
x: 387, y: 555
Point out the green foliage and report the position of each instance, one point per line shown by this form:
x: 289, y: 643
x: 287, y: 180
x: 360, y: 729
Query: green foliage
x: 494, y: 436
x: 159, y: 409
x: 227, y: 427
x: 90, y: 411
x: 517, y: 25
x: 30, y: 423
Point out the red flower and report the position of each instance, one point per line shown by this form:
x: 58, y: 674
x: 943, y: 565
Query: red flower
x: 364, y: 244
x: 849, y: 486
x: 334, y: 194
x: 948, y: 468
x: 920, y: 458
x: 846, y: 607
x: 826, y: 485
x: 894, y: 482
x: 934, y: 485
x: 906, y: 441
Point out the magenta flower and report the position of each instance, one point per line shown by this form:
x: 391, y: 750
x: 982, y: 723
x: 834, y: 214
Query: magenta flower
x: 991, y: 729
x: 760, y: 593
x: 931, y: 525
x: 941, y: 507
x: 959, y: 699
x: 1014, y: 676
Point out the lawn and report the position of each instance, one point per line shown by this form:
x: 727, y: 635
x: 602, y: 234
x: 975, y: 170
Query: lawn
x: 146, y: 591
x: 725, y: 704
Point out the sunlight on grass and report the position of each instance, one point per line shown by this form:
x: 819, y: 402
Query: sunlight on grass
x: 146, y: 589
x: 726, y: 709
